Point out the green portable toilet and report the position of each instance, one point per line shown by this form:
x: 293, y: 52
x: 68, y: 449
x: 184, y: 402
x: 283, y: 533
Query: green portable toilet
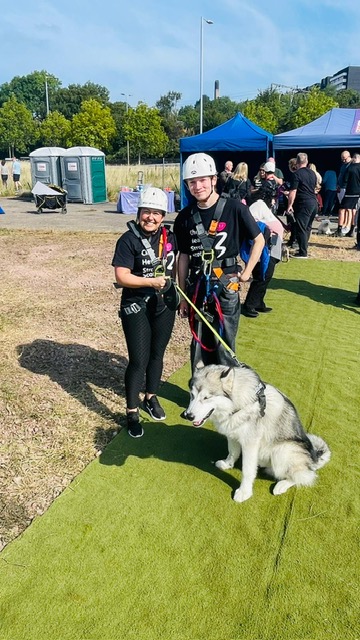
x: 83, y: 175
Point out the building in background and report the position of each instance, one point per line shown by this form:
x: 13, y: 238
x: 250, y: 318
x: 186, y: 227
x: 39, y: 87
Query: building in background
x: 348, y: 78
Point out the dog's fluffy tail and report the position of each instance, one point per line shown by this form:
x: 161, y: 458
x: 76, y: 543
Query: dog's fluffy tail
x: 322, y: 450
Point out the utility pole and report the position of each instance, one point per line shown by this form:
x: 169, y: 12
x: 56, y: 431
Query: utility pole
x: 127, y: 96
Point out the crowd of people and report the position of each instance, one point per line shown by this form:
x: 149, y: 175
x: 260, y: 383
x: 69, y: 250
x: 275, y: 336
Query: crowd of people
x: 194, y: 268
x: 15, y: 170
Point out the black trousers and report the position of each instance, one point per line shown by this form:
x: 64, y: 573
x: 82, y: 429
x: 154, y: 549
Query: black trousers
x: 147, y: 328
x: 258, y: 287
x: 304, y: 217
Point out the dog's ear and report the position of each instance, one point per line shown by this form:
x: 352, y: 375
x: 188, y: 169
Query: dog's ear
x: 227, y: 380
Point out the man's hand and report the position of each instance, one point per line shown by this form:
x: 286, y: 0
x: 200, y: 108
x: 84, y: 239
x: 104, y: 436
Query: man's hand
x: 183, y: 309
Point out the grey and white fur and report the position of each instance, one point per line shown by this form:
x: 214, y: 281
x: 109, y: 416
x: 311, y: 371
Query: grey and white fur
x: 275, y: 441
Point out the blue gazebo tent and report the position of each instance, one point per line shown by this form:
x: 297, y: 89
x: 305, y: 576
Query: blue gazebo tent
x: 323, y: 139
x: 238, y: 140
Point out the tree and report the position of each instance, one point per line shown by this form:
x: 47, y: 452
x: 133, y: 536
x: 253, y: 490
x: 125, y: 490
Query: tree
x: 68, y: 100
x: 312, y: 105
x: 143, y: 129
x: 260, y: 114
x: 173, y: 127
x: 18, y: 131
x: 31, y: 91
x: 93, y: 126
x: 54, y: 130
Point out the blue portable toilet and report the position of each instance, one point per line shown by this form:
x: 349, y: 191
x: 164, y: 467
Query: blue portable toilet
x: 83, y: 175
x: 45, y: 165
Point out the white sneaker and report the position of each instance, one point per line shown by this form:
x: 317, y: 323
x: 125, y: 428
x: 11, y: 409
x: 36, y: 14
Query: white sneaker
x: 345, y: 230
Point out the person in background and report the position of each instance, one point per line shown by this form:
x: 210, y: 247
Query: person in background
x: 278, y: 174
x: 352, y: 192
x: 144, y: 259
x: 224, y: 176
x: 312, y: 166
x: 329, y: 184
x: 269, y: 190
x: 254, y: 301
x: 259, y: 179
x: 16, y: 172
x: 4, y: 171
x: 238, y: 184
x: 209, y: 232
x: 302, y: 202
x: 344, y: 214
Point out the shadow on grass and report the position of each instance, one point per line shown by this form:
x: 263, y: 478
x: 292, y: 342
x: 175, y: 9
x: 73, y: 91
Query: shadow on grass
x: 182, y: 444
x: 339, y: 298
x: 75, y: 367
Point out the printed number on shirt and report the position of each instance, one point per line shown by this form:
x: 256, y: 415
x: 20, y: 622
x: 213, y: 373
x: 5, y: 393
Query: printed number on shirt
x: 219, y: 245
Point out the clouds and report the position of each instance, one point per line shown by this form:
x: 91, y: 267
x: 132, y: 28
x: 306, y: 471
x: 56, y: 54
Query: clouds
x: 147, y: 49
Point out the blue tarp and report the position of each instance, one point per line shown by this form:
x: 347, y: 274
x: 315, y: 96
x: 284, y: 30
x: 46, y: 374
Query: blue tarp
x: 235, y: 136
x: 336, y: 128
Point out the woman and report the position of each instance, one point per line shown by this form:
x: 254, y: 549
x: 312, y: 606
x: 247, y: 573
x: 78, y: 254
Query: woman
x: 259, y: 179
x: 238, y: 185
x: 4, y: 173
x: 144, y: 260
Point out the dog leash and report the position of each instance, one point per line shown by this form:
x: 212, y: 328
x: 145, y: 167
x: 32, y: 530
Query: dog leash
x: 260, y: 389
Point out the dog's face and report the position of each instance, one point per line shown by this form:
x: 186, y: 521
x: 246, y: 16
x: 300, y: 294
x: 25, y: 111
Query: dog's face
x: 210, y: 390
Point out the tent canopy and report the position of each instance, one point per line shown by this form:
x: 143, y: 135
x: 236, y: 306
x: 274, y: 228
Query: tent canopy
x: 237, y: 134
x: 336, y: 128
x: 238, y: 140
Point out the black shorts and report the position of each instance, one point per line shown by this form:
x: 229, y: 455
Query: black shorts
x: 16, y: 177
x: 4, y: 179
x: 349, y: 202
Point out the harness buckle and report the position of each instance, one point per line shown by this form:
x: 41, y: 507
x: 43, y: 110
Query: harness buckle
x: 159, y: 271
x: 207, y: 257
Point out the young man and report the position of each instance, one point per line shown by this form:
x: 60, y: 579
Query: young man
x: 209, y: 233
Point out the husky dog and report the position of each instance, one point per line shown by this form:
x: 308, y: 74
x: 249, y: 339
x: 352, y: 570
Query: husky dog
x: 260, y: 422
x: 324, y: 228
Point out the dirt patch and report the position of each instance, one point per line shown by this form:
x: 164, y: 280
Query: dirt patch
x: 62, y: 360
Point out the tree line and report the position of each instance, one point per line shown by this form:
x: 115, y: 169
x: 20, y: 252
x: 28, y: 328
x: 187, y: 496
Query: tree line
x: 36, y: 111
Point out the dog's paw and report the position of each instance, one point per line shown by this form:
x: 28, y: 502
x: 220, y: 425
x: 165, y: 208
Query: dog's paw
x: 223, y: 465
x: 282, y: 486
x: 241, y: 494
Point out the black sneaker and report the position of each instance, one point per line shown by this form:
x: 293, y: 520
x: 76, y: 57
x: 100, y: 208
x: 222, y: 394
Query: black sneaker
x: 250, y: 312
x: 134, y: 427
x: 154, y: 408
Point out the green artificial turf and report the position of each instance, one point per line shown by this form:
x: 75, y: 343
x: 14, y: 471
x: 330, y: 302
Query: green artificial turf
x: 147, y: 543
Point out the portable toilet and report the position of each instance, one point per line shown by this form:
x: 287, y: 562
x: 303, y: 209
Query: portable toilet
x: 45, y: 165
x: 83, y: 175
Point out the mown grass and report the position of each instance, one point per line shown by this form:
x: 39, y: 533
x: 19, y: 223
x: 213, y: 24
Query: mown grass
x: 147, y: 543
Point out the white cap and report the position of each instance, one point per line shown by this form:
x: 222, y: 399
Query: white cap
x: 269, y: 167
x: 153, y: 198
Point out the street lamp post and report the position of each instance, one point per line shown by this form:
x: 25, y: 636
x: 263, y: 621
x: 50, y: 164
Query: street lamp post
x: 127, y: 95
x: 47, y: 96
x: 202, y: 67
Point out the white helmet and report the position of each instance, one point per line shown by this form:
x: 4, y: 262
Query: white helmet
x: 198, y: 165
x: 153, y: 198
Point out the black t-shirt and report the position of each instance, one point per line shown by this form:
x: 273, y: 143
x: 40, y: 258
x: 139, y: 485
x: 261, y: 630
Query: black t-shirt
x: 353, y: 179
x: 304, y: 181
x: 235, y: 225
x: 238, y: 189
x: 130, y: 253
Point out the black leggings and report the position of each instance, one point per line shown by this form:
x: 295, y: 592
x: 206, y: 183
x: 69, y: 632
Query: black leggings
x: 147, y: 334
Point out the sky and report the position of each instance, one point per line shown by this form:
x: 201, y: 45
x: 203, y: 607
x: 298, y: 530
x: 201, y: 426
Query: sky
x: 145, y: 49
